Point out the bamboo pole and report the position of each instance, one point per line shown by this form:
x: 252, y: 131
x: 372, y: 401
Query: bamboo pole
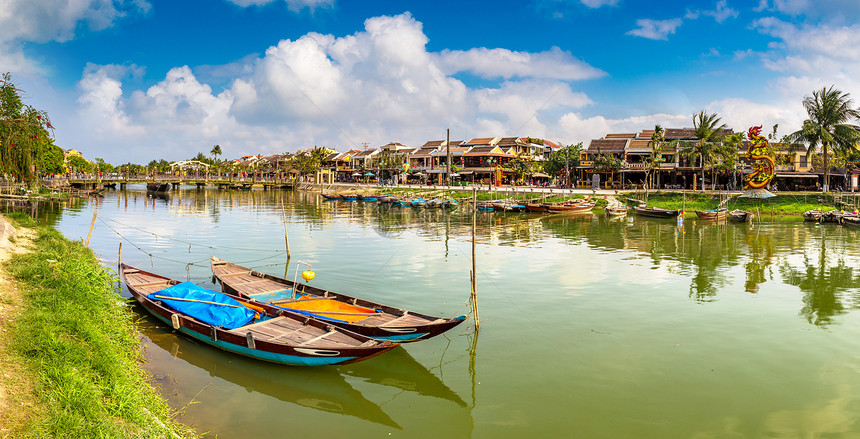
x: 93, y: 223
x: 181, y: 299
x: 473, y: 274
x: 286, y: 237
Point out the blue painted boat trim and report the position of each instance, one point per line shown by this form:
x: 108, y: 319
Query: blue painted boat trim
x: 292, y: 360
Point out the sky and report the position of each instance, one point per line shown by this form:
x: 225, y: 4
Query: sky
x: 137, y: 80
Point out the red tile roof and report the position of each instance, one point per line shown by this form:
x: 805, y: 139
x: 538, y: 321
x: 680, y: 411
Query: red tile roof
x: 607, y: 145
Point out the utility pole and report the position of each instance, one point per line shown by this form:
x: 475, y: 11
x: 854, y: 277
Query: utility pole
x: 567, y: 164
x: 448, y: 146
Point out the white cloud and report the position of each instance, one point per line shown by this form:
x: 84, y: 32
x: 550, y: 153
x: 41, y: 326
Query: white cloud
x: 293, y: 5
x: 573, y: 126
x: 594, y: 4
x: 494, y: 63
x: 655, y: 29
x: 722, y: 12
x: 56, y: 20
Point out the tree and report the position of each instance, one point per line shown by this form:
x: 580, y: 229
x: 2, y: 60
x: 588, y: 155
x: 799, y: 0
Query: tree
x: 710, y: 133
x: 607, y: 163
x: 23, y: 134
x: 216, y: 151
x: 829, y: 110
x: 561, y: 161
x: 521, y: 167
x: 102, y: 166
x: 656, y: 157
x: 80, y: 164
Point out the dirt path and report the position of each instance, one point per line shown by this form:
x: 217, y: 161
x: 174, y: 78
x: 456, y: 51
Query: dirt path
x: 15, y: 386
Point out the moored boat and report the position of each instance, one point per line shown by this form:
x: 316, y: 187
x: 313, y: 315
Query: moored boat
x: 833, y: 216
x: 158, y: 187
x: 616, y: 210
x: 331, y: 197
x: 656, y: 212
x: 364, y: 317
x: 740, y: 216
x: 536, y: 207
x: 813, y: 215
x: 255, y: 330
x: 851, y: 220
x: 712, y: 215
x: 570, y: 208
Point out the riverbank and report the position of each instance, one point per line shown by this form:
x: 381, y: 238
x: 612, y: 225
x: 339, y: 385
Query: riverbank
x: 69, y: 349
x: 782, y: 204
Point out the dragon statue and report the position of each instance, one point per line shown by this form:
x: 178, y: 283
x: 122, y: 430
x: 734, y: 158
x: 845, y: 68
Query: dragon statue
x: 763, y: 165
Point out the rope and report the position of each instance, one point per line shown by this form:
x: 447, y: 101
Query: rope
x: 211, y: 247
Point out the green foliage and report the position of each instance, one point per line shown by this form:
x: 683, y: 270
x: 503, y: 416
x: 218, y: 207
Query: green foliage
x: 565, y: 158
x: 607, y: 163
x: 827, y: 127
x: 216, y: 151
x: 24, y: 135
x: 49, y: 159
x: 521, y: 166
x: 309, y: 161
x: 80, y: 343
x: 709, y: 147
x: 79, y: 164
x: 161, y: 166
x: 131, y: 168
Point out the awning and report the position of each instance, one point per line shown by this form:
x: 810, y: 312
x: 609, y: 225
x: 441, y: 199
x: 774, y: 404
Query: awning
x: 356, y: 174
x: 797, y: 175
x: 540, y: 174
x: 437, y: 171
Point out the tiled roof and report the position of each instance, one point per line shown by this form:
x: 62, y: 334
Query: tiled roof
x: 366, y: 153
x: 639, y: 145
x: 679, y: 133
x: 433, y: 144
x: 422, y: 152
x: 455, y: 150
x: 607, y: 145
x: 620, y: 136
x: 646, y: 134
x: 509, y: 141
x: 481, y: 141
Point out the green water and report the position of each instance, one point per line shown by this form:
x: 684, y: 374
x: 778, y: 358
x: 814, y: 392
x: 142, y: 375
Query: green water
x: 590, y: 328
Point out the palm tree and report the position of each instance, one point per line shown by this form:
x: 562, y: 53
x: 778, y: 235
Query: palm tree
x: 656, y: 158
x: 829, y: 111
x: 710, y: 132
x: 216, y: 151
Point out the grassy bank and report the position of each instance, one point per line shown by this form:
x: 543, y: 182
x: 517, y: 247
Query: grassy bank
x: 76, y: 342
x: 781, y: 204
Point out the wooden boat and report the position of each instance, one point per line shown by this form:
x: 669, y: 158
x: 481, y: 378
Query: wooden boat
x: 368, y: 198
x: 158, y: 187
x: 96, y: 192
x: 851, y: 220
x: 712, y: 215
x: 813, y: 215
x: 740, y: 216
x: 570, y: 208
x: 331, y: 197
x: 833, y: 216
x: 450, y: 203
x: 656, y: 212
x: 255, y: 330
x: 536, y: 207
x: 364, y: 317
x: 350, y: 197
x: 616, y: 210
x: 419, y: 202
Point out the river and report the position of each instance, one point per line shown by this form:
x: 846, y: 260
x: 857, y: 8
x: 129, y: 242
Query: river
x: 590, y: 328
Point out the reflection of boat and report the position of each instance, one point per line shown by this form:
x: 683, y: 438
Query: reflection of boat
x: 364, y: 317
x: 96, y: 193
x: 158, y: 187
x: 740, y: 216
x: 320, y: 389
x: 402, y: 371
x: 813, y: 215
x: 712, y: 215
x: 656, y: 212
x: 851, y: 220
x: 258, y: 331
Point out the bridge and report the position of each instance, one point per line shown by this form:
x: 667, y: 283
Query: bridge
x: 91, y: 181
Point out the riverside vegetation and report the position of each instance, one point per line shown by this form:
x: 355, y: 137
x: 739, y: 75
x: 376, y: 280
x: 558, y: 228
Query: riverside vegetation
x: 75, y: 350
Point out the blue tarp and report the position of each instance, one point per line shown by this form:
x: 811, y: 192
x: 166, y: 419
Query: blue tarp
x: 229, y: 317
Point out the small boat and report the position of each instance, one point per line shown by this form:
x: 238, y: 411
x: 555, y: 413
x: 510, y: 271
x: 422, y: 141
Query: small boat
x: 851, y: 220
x: 368, y: 198
x: 331, y: 197
x: 255, y: 330
x: 616, y: 210
x: 571, y: 208
x: 363, y: 317
x: 656, y: 212
x: 350, y: 197
x: 813, y: 215
x: 419, y: 202
x: 833, y: 216
x: 536, y: 207
x: 96, y: 193
x: 450, y: 203
x: 740, y: 216
x: 110, y: 185
x: 712, y: 215
x: 158, y: 187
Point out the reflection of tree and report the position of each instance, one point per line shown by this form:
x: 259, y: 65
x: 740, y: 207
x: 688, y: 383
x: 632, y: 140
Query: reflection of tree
x: 761, y: 248
x: 821, y: 286
x: 711, y: 249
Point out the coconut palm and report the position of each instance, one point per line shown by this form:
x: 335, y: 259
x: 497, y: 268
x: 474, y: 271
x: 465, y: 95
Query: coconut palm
x: 216, y: 151
x: 829, y: 110
x: 710, y: 133
x: 656, y: 158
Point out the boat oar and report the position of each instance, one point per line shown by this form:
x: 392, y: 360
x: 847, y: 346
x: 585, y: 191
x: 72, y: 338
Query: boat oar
x: 195, y: 300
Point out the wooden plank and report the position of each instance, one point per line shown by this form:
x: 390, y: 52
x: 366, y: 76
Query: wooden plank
x: 318, y: 338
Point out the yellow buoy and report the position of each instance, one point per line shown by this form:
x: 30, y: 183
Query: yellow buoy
x: 307, y: 275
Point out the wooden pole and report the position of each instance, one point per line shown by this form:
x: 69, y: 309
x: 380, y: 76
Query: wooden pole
x: 286, y: 237
x: 474, y: 296
x: 93, y: 223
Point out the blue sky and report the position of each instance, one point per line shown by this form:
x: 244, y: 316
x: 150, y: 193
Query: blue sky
x: 149, y: 79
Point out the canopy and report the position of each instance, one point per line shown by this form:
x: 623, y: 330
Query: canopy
x: 757, y: 193
x: 540, y: 174
x: 212, y: 307
x: 369, y: 174
x: 356, y: 174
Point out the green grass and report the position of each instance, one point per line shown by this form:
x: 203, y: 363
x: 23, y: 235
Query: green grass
x: 76, y: 336
x: 788, y: 204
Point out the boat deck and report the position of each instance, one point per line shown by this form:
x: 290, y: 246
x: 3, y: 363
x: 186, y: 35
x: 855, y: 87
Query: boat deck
x: 287, y: 330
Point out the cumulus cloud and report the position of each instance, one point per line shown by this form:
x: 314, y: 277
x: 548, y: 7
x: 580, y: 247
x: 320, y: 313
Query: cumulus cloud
x: 722, y: 12
x: 655, y: 29
x: 582, y: 129
x: 293, y: 5
x: 598, y: 3
x: 56, y: 20
x: 493, y: 63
